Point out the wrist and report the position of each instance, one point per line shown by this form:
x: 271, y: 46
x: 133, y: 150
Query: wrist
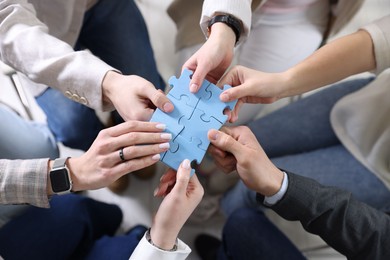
x: 71, y: 166
x: 285, y: 87
x: 108, y: 83
x: 273, y: 182
x: 162, y: 241
x: 234, y: 25
x: 222, y: 32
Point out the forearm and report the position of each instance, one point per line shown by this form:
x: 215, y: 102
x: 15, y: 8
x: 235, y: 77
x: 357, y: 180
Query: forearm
x: 351, y: 227
x: 337, y: 60
x: 26, y: 46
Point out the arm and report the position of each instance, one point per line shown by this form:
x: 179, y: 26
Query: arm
x: 181, y: 195
x: 351, y: 227
x: 27, y: 46
x: 216, y: 55
x: 364, y: 50
x: 26, y: 181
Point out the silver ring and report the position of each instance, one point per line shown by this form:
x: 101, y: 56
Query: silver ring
x: 121, y: 155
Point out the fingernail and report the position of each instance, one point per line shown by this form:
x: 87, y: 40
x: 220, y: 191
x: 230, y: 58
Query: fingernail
x: 161, y: 126
x: 193, y: 87
x: 167, y: 107
x: 156, y: 157
x: 224, y: 97
x: 214, y: 136
x: 164, y: 145
x: 186, y: 164
x: 166, y: 136
x: 155, y: 192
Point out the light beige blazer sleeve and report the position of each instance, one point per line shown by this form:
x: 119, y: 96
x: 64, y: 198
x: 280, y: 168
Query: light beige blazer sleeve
x: 27, y: 46
x: 24, y: 182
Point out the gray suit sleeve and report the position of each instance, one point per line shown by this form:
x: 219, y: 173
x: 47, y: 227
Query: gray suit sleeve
x: 353, y: 228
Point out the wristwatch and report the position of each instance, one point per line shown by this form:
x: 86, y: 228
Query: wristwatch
x: 230, y: 21
x: 60, y: 180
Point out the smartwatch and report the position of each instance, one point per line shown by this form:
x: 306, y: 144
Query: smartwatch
x: 60, y: 180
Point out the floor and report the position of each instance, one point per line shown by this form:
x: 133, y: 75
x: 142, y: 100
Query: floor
x: 137, y: 202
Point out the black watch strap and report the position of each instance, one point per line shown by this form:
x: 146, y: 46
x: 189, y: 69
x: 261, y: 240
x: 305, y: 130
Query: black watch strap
x: 230, y: 21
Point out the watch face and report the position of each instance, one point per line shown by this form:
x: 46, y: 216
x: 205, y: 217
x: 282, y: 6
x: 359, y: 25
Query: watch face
x: 60, y: 180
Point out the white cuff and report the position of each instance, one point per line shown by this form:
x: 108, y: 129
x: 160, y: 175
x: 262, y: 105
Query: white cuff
x: 272, y: 200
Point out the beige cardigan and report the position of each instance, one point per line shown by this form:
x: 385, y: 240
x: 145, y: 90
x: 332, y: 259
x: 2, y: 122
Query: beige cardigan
x: 361, y: 120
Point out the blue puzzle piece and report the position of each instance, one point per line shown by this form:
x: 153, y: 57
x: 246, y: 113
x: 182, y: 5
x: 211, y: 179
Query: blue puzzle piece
x: 198, y: 126
x: 194, y: 115
x: 187, y: 150
x: 182, y: 91
x: 218, y: 107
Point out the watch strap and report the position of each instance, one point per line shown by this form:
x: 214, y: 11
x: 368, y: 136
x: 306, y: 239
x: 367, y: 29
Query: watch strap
x: 230, y: 21
x: 60, y: 162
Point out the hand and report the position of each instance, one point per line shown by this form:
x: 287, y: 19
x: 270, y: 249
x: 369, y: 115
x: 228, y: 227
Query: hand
x: 134, y: 97
x: 213, y: 58
x: 251, y: 86
x: 182, y: 195
x: 236, y: 148
x: 101, y: 165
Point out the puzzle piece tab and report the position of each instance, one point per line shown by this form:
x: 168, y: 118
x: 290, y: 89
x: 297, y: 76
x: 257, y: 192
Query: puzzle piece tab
x: 193, y: 116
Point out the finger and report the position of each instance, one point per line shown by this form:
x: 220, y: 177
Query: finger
x: 198, y: 78
x: 216, y: 152
x: 168, y: 176
x: 136, y: 151
x: 136, y: 138
x: 159, y: 99
x: 224, y: 141
x: 226, y: 167
x: 167, y: 179
x: 240, y: 91
x: 138, y: 163
x: 234, y: 114
x: 230, y: 78
x: 134, y: 126
x: 183, y: 177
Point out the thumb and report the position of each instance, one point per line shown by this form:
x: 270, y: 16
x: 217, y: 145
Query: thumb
x: 236, y: 92
x: 183, y: 176
x: 224, y: 141
x: 159, y: 99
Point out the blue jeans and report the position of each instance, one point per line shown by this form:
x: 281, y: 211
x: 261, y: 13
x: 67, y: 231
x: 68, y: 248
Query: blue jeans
x: 248, y: 234
x: 22, y: 139
x: 114, y: 31
x: 300, y: 139
x: 75, y: 227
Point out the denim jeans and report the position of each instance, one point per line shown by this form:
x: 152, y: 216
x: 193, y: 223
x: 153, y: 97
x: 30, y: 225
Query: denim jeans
x: 74, y: 227
x: 300, y: 139
x: 22, y: 139
x: 248, y: 234
x: 114, y: 31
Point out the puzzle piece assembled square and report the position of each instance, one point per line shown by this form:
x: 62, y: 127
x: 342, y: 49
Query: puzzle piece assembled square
x: 194, y: 115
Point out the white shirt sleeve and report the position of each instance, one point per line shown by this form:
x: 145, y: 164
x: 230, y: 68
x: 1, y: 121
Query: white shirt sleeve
x: 146, y: 251
x: 272, y: 200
